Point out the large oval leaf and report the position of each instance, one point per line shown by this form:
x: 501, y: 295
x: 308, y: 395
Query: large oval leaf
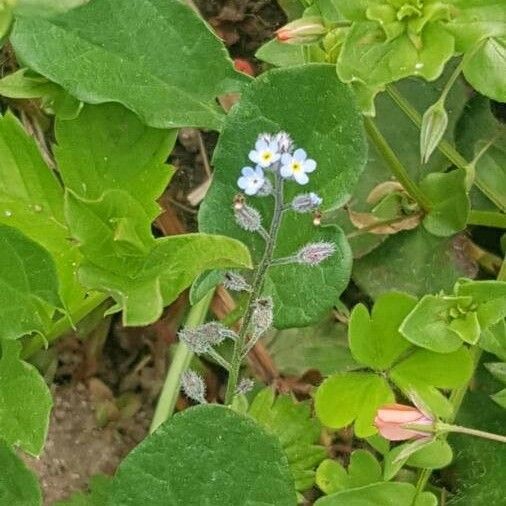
x: 206, y: 455
x: 156, y: 57
x: 320, y: 114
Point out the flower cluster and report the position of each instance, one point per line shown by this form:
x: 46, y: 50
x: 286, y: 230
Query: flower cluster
x: 276, y: 153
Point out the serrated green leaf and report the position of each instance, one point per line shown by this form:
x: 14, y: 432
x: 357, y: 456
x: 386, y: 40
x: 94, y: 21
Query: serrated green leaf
x: 29, y: 285
x: 31, y: 200
x: 377, y: 494
x: 206, y: 455
x: 375, y: 339
x: 428, y: 324
x: 484, y: 70
x: 424, y: 372
x: 108, y: 148
x: 352, y: 397
x: 100, y: 487
x: 25, y: 401
x: 370, y: 61
x: 18, y: 485
x: 301, y: 294
x: 322, y: 347
x: 142, y: 274
x: 156, y: 57
x: 449, y: 202
x: 297, y: 431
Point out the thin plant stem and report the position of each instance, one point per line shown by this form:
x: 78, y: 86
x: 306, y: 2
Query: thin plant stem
x: 487, y: 218
x: 444, y: 146
x: 64, y: 325
x: 256, y: 289
x: 180, y: 363
x: 473, y: 432
x: 395, y: 164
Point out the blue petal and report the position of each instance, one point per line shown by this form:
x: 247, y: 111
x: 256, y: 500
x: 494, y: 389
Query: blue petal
x: 286, y: 158
x: 261, y: 145
x: 300, y: 155
x: 248, y: 172
x: 309, y: 165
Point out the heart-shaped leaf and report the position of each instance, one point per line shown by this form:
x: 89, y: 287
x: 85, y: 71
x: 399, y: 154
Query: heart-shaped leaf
x: 322, y: 118
x: 206, y: 455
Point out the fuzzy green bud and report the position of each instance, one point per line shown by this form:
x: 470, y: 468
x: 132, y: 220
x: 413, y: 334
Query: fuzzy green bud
x: 434, y: 124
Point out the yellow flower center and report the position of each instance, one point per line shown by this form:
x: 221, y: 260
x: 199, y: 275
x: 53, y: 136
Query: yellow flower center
x: 266, y: 156
x: 296, y: 166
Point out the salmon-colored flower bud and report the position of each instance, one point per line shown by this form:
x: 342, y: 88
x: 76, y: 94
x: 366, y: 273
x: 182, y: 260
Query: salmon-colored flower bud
x: 391, y: 421
x: 302, y: 31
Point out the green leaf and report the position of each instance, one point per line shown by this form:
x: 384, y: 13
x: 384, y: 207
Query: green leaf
x: 100, y: 487
x: 449, y: 202
x: 477, y: 128
x: 415, y: 262
x: 478, y: 469
x: 323, y: 348
x: 108, y: 148
x: 352, y: 397
x: 493, y: 340
x: 297, y: 431
x: 142, y: 274
x: 424, y: 372
x: 371, y: 61
x: 206, y: 455
x: 375, y: 339
x: 18, y: 485
x: 280, y: 54
x: 156, y: 57
x: 29, y: 285
x: 302, y: 294
x: 498, y: 370
x: 31, y: 200
x: 434, y: 454
x: 363, y: 470
x: 46, y: 7
x: 483, y: 69
x: 428, y: 325
x: 476, y: 21
x: 25, y: 401
x: 377, y: 494
x: 25, y: 84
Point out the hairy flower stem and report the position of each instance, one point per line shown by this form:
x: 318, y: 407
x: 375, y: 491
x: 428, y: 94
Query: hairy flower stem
x: 256, y: 288
x: 180, y: 362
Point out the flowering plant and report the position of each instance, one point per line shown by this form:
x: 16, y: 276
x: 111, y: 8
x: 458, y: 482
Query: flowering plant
x: 322, y: 300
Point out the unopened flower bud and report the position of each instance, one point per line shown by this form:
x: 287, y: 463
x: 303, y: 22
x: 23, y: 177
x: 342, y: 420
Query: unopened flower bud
x: 391, y: 421
x: 315, y: 253
x: 265, y: 137
x: 248, y: 218
x: 193, y: 386
x: 285, y: 142
x: 302, y: 31
x: 306, y: 202
x: 317, y: 218
x: 202, y: 338
x: 245, y: 386
x: 235, y: 282
x: 239, y: 201
x: 262, y: 317
x: 434, y: 124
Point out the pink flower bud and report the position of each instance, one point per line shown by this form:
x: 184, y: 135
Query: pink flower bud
x: 302, y: 31
x: 391, y: 421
